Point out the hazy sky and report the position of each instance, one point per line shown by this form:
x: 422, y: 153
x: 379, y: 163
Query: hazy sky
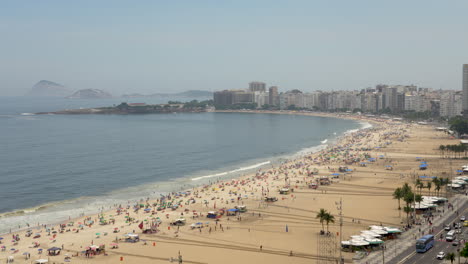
x: 171, y: 46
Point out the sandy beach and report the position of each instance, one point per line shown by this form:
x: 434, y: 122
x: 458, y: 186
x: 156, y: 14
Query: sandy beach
x: 284, y: 231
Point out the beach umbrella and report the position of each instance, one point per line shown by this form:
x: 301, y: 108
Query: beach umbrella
x: 1, y: 238
x: 388, y: 166
x: 335, y: 174
x: 12, y: 249
x: 459, y: 171
x: 97, y: 234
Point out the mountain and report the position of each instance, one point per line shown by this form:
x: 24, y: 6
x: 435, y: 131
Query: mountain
x: 48, y: 89
x: 186, y: 94
x: 90, y: 94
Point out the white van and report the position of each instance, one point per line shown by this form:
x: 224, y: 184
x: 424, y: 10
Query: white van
x: 450, y: 236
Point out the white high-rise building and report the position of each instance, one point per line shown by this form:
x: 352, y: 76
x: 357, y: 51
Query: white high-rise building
x: 465, y: 90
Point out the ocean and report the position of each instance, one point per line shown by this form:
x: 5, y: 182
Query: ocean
x: 58, y: 166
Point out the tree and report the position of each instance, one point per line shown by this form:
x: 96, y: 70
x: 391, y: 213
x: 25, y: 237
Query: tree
x: 429, y: 187
x: 464, y: 251
x: 450, y: 256
x: 418, y: 184
x: 442, y: 149
x: 418, y: 199
x: 407, y: 210
x: 398, y: 194
x: 329, y: 218
x: 321, y: 216
x: 459, y: 125
x: 436, y: 182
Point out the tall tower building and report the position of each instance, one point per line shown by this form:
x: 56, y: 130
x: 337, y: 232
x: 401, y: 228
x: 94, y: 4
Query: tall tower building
x: 273, y: 96
x: 465, y: 91
x: 257, y: 87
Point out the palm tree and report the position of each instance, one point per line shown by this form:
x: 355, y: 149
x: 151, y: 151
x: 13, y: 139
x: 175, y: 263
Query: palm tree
x: 437, y: 188
x: 329, y: 219
x: 418, y: 199
x: 436, y: 182
x: 429, y: 187
x: 450, y: 256
x: 419, y: 184
x: 321, y: 216
x: 407, y: 210
x: 405, y: 189
x: 409, y: 199
x: 398, y: 194
x: 442, y: 149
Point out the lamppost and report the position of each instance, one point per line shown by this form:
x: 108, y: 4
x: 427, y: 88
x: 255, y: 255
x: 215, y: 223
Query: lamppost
x: 340, y: 209
x: 383, y: 253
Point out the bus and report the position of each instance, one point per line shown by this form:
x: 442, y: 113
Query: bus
x: 424, y: 243
x: 450, y: 236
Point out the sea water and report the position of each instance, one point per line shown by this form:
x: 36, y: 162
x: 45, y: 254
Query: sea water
x: 58, y: 166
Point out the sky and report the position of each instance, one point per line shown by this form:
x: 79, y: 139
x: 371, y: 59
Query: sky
x: 173, y: 46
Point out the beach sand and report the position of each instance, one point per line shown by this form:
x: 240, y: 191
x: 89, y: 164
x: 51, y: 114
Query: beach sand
x: 285, y: 231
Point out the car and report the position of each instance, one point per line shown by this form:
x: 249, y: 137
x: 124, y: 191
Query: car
x: 441, y: 255
x: 447, y: 228
x: 463, y: 218
x: 465, y: 223
x: 455, y: 243
x: 458, y: 231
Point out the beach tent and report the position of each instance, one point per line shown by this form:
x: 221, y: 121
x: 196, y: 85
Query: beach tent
x: 427, y: 177
x: 53, y: 251
x: 232, y: 211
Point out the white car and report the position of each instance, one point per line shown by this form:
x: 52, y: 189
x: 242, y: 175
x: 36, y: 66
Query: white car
x: 441, y: 255
x: 463, y: 218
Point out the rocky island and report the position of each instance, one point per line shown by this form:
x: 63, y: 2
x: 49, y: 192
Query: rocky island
x: 90, y: 94
x: 141, y: 108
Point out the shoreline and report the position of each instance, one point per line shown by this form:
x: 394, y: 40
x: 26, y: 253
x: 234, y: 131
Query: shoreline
x: 261, y: 226
x: 190, y: 179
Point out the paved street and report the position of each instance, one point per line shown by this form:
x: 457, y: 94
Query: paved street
x: 403, y: 249
x: 440, y: 244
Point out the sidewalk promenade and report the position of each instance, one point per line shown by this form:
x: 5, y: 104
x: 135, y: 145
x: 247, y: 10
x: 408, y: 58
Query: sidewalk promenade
x: 397, y: 250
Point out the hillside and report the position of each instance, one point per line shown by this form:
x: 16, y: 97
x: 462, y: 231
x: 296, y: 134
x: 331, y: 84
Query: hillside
x: 46, y: 88
x: 90, y: 94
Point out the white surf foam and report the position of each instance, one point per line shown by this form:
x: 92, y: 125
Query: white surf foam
x: 232, y: 171
x: 324, y: 141
x: 27, y: 114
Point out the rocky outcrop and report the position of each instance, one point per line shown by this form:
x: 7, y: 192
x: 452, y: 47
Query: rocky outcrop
x: 90, y: 94
x: 48, y: 89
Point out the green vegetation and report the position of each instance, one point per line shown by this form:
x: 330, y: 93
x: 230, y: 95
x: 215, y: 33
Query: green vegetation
x: 450, y: 256
x: 453, y: 151
x: 459, y: 125
x: 249, y: 106
x: 464, y: 251
x: 398, y: 194
x: 406, y: 194
x: 325, y: 217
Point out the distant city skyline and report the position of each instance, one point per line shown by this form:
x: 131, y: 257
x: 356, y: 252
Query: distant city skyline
x: 167, y: 47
